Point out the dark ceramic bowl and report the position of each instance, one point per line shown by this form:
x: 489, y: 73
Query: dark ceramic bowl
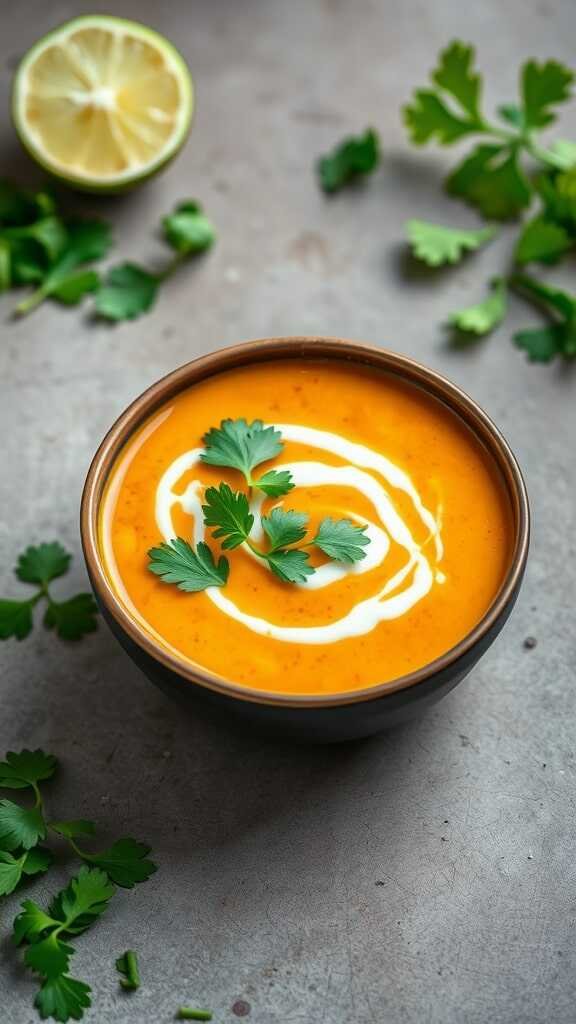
x: 325, y: 718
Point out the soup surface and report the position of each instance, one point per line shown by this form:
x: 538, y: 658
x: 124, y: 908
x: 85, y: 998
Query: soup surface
x: 361, y: 445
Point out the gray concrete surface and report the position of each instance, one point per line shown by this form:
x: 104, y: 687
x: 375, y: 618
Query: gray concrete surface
x: 424, y: 876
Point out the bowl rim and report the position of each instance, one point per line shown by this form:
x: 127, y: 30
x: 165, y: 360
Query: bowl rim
x: 300, y: 347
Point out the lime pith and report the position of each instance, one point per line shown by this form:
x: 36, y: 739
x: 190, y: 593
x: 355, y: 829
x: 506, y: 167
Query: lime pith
x: 102, y: 103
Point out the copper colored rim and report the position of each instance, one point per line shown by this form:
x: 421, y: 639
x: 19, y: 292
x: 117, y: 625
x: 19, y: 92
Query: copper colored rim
x: 301, y: 348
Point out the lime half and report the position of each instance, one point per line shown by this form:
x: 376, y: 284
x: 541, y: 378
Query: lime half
x: 102, y: 103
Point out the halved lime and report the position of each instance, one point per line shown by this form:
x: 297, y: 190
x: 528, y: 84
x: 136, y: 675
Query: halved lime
x: 102, y: 103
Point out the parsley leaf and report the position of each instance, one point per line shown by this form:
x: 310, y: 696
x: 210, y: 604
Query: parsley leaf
x: 187, y: 229
x: 87, y: 240
x: 43, y: 563
x: 290, y: 566
x: 543, y: 241
x: 63, y: 998
x: 241, y: 445
x: 341, y: 539
x: 127, y: 292
x: 20, y: 826
x: 284, y: 528
x: 15, y: 619
x: 486, y: 315
x: 72, y: 619
x: 229, y: 511
x: 355, y: 157
x: 49, y: 233
x: 125, y: 862
x: 558, y: 194
x: 83, y: 900
x: 454, y: 74
x: 275, y: 483
x: 26, y: 769
x: 127, y: 966
x: 437, y: 245
x: 492, y: 180
x: 191, y: 570
x: 543, y: 86
x: 74, y: 287
x: 12, y: 868
x: 558, y: 337
x: 431, y: 114
x: 49, y: 957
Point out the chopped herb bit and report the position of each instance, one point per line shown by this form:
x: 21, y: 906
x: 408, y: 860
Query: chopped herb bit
x: 189, y: 1013
x: 353, y: 158
x: 486, y: 315
x: 127, y: 966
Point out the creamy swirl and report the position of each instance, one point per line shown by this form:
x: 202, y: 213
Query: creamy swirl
x: 400, y: 593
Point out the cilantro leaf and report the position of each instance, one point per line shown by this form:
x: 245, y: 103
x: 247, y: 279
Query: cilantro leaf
x: 541, y: 344
x: 83, y: 900
x: 353, y: 158
x: 63, y: 998
x: 543, y: 86
x: 127, y: 292
x: 15, y: 619
x: 32, y: 922
x: 74, y: 287
x: 284, y: 527
x: 437, y: 245
x: 49, y: 233
x: 562, y: 152
x: 127, y: 966
x: 49, y: 957
x: 486, y: 315
x: 275, y: 483
x: 543, y: 241
x: 26, y: 768
x: 229, y: 511
x: 559, y: 336
x: 492, y: 180
x: 454, y: 74
x: 558, y: 194
x: 341, y: 539
x: 187, y: 229
x: 72, y: 829
x: 125, y: 862
x: 43, y: 563
x: 20, y: 826
x: 74, y: 618
x: 191, y: 570
x: 241, y: 445
x: 87, y: 240
x: 290, y: 566
x: 37, y: 861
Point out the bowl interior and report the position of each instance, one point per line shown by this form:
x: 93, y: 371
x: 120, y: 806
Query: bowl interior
x: 300, y: 348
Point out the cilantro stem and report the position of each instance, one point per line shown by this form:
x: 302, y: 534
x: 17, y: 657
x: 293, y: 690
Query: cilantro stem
x: 39, y: 802
x: 132, y: 979
x: 189, y: 1013
x: 31, y: 302
x: 171, y: 266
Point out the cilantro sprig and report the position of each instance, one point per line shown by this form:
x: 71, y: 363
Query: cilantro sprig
x: 41, y: 246
x: 71, y: 619
x: 46, y: 933
x: 242, y: 446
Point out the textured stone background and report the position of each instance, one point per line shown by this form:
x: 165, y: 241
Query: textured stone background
x: 424, y: 876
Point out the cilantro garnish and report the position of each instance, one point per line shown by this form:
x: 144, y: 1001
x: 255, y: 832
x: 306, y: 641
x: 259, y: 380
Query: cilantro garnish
x: 41, y: 246
x: 353, y: 158
x: 436, y: 245
x: 191, y: 570
x: 72, y: 911
x: 486, y: 315
x: 243, y: 446
x: 558, y: 337
x: 542, y: 241
x: 127, y: 967
x: 189, y: 1013
x: 71, y: 619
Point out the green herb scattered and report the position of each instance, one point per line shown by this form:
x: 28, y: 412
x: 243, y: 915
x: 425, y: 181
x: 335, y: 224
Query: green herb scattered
x: 486, y: 315
x: 542, y: 241
x: 71, y: 619
x: 46, y: 933
x: 127, y: 967
x: 353, y: 158
x: 558, y: 337
x: 437, y: 245
x: 189, y: 1013
x: 41, y: 246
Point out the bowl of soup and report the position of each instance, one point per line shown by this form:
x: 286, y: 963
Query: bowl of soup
x: 295, y: 632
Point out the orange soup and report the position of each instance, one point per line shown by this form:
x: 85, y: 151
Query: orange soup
x: 362, y: 446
